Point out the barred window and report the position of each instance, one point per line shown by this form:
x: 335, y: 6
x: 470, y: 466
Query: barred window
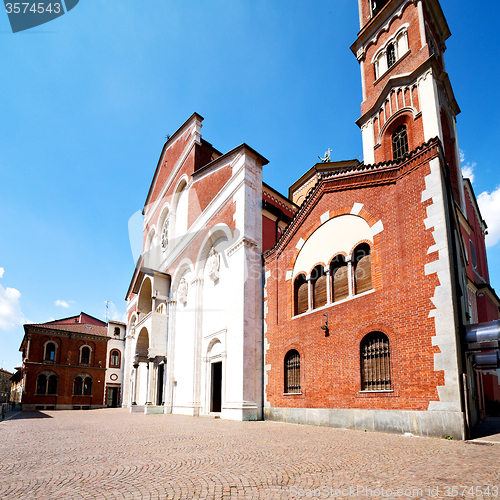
x: 375, y: 363
x: 292, y: 372
x: 399, y: 142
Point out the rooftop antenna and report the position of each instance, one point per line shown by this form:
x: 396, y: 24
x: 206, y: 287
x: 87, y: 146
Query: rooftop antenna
x: 107, y: 309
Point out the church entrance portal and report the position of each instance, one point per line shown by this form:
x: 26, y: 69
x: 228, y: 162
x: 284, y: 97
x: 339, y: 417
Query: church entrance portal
x: 216, y: 402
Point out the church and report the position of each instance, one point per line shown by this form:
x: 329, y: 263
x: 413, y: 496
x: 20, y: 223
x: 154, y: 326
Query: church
x: 355, y: 302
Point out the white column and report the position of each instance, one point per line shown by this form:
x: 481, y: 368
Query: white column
x: 309, y: 293
x: 421, y: 23
x: 350, y: 277
x: 150, y: 388
x: 197, y: 284
x: 328, y: 286
x: 134, y: 394
x: 169, y: 385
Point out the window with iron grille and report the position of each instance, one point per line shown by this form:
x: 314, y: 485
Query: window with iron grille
x: 292, y: 372
x: 399, y: 142
x: 375, y: 363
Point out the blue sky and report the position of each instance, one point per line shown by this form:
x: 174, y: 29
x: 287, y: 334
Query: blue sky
x: 88, y: 99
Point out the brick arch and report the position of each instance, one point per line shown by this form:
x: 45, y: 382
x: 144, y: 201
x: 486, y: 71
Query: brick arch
x: 343, y: 254
x: 404, y: 118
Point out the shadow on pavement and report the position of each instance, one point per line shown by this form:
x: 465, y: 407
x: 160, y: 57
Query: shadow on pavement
x: 487, y: 430
x: 29, y: 414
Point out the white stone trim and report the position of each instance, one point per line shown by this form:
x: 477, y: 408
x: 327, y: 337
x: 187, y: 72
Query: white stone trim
x: 443, y: 314
x: 377, y: 228
x: 300, y: 244
x: 324, y: 217
x: 356, y: 208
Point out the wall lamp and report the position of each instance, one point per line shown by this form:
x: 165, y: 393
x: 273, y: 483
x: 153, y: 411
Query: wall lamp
x: 325, y: 326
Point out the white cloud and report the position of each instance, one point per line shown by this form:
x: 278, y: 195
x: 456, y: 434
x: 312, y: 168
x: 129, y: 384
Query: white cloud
x: 10, y: 309
x: 2, y: 270
x: 62, y: 303
x: 467, y: 168
x: 489, y: 204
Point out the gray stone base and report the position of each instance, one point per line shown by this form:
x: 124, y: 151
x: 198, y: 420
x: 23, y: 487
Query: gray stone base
x: 154, y: 410
x: 420, y: 423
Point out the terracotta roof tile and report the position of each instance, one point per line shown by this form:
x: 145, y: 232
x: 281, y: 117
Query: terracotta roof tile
x: 101, y: 331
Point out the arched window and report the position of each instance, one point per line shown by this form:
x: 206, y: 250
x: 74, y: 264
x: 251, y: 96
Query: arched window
x: 87, y: 386
x: 318, y: 278
x: 377, y: 6
x: 399, y: 142
x: 85, y: 355
x: 50, y: 351
x: 114, y: 359
x: 375, y: 363
x: 340, y: 278
x: 292, y: 372
x: 41, y: 384
x: 362, y: 269
x: 52, y: 385
x: 77, y: 386
x: 301, y: 295
x: 391, y: 55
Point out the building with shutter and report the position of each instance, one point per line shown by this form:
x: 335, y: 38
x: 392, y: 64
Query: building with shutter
x: 370, y: 270
x: 72, y: 364
x: 369, y: 288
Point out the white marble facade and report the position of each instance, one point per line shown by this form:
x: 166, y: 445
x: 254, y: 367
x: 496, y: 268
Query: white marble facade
x: 194, y: 331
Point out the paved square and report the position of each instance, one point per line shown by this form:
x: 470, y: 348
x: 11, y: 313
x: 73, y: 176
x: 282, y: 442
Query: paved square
x: 114, y: 454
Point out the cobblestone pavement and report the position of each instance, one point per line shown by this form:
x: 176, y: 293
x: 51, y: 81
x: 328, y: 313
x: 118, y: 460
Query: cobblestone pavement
x: 114, y: 454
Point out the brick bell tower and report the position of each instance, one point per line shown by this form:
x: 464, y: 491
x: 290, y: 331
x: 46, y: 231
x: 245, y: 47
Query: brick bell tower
x: 407, y: 94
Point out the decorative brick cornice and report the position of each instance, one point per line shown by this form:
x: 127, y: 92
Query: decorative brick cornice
x: 356, y: 177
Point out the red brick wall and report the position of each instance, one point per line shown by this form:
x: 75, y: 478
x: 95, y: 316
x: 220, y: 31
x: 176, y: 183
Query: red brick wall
x: 205, y: 190
x: 399, y: 307
x: 66, y: 366
x: 486, y: 310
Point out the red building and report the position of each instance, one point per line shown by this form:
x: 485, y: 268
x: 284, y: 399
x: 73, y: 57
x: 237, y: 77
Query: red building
x: 369, y: 287
x: 65, y: 363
